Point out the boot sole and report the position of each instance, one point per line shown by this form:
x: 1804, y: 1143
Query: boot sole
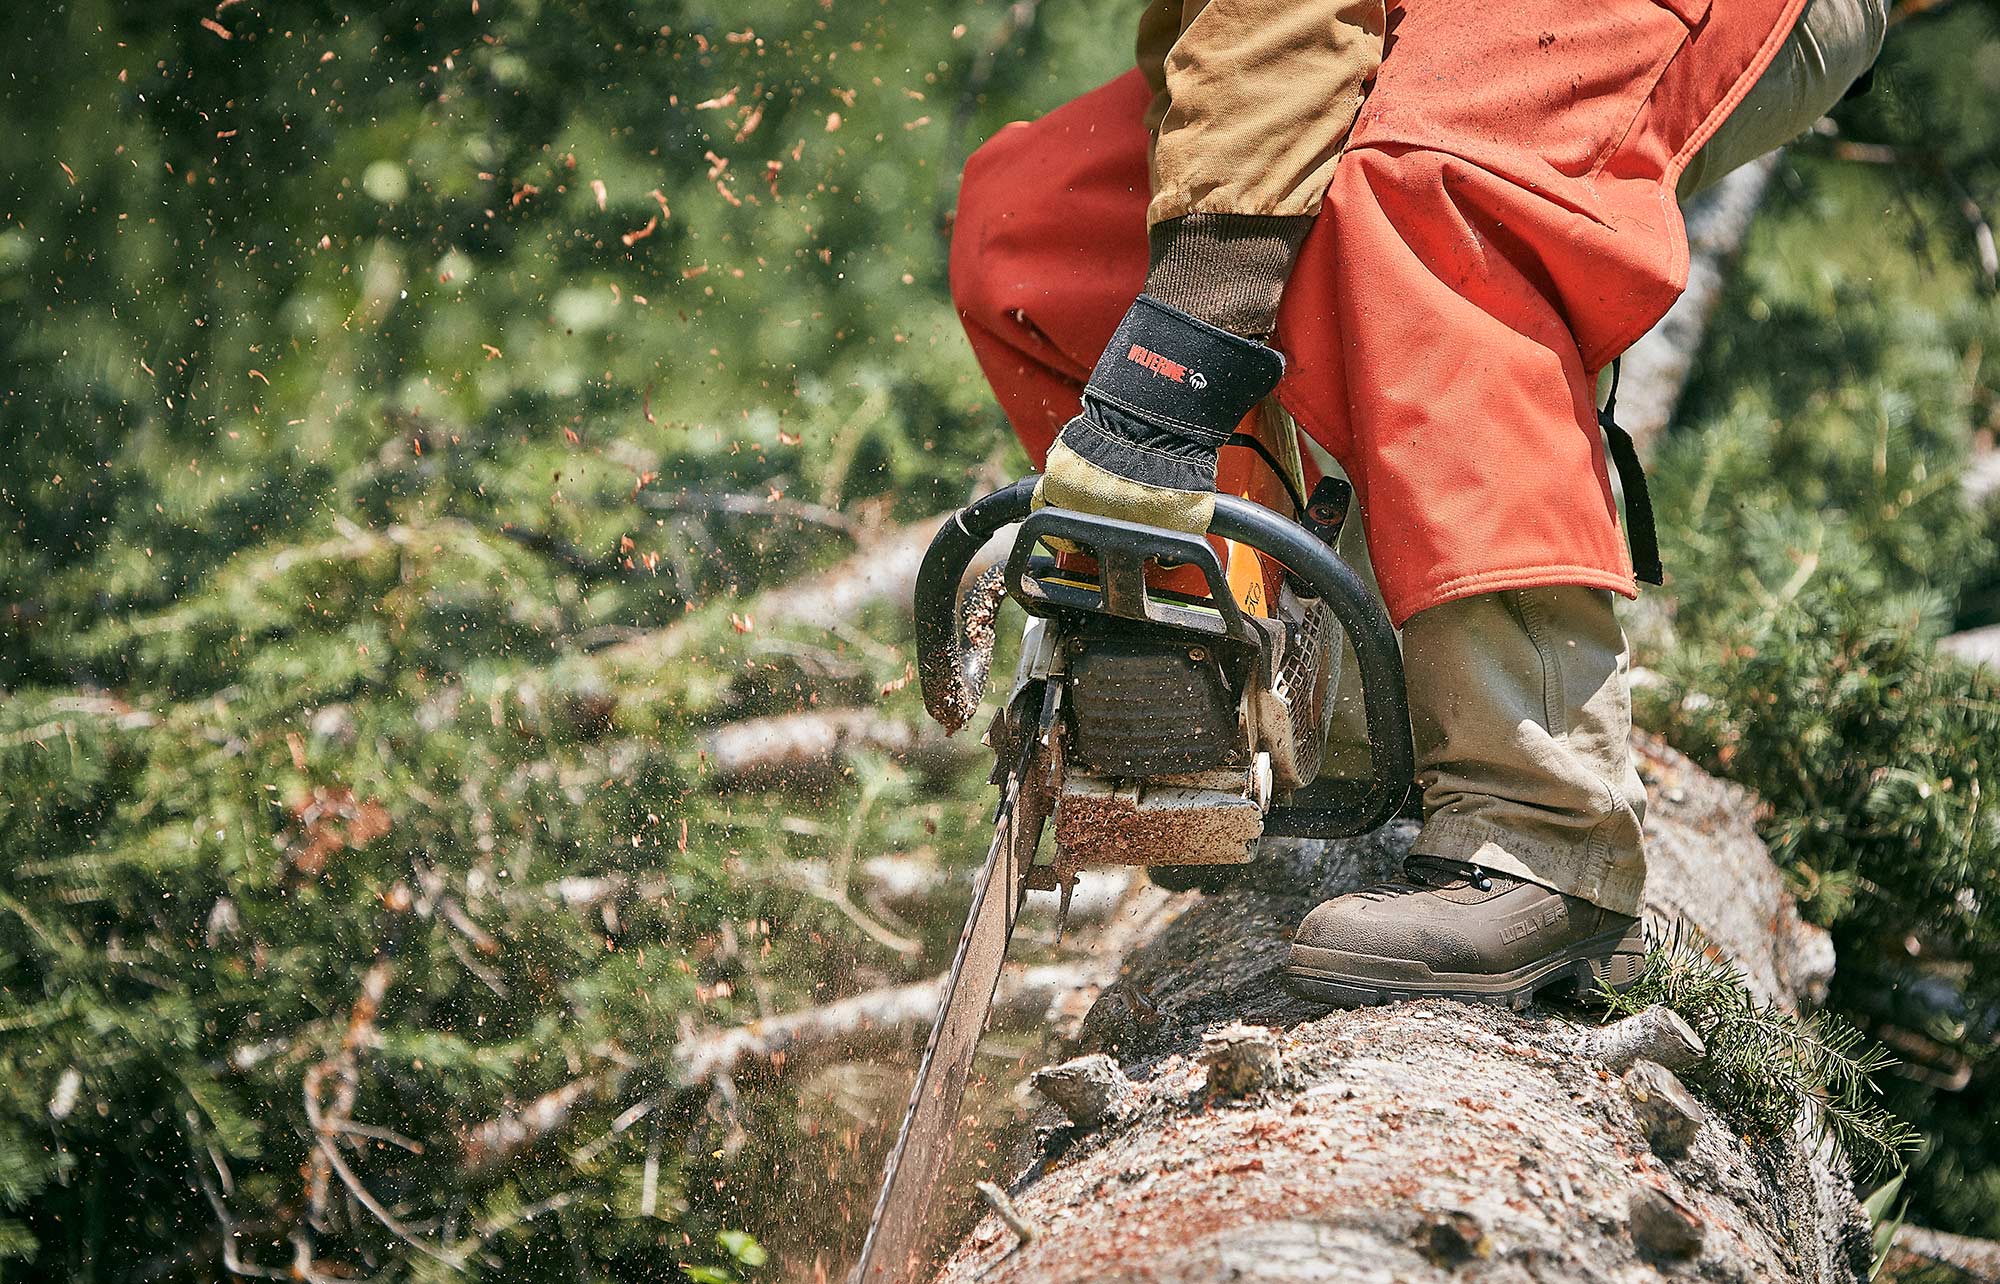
x: 1342, y: 979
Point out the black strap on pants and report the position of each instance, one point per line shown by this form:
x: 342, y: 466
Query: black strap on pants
x: 1641, y: 535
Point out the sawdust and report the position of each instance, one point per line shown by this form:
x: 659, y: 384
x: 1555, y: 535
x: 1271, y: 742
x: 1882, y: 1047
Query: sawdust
x: 965, y: 684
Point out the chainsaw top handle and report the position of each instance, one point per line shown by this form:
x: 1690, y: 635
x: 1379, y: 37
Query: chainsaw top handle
x: 1122, y: 550
x: 952, y: 665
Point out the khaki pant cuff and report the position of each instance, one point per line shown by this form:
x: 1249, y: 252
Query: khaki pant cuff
x: 1569, y: 868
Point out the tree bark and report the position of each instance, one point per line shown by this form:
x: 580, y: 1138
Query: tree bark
x: 1265, y: 1138
x: 1656, y: 367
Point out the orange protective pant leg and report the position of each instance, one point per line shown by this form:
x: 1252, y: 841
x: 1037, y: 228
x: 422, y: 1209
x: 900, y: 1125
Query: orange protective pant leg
x: 1502, y: 225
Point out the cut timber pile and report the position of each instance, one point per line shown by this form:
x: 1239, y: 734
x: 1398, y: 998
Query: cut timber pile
x: 1246, y: 1135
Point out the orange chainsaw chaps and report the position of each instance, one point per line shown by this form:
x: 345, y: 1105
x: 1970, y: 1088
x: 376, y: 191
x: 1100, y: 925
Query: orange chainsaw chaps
x: 1502, y: 225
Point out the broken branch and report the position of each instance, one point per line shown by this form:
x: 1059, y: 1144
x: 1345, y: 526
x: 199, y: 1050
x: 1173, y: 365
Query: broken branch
x: 801, y: 748
x: 739, y: 505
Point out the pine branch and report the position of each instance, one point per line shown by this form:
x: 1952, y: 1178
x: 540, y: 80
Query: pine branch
x: 1765, y: 1064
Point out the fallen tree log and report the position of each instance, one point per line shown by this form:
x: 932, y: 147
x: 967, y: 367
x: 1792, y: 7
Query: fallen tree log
x: 1921, y: 1256
x: 796, y: 750
x: 872, y: 1022
x: 1264, y: 1138
x: 893, y: 1016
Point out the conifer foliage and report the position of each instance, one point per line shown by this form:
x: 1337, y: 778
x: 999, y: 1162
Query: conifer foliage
x: 372, y: 375
x: 1767, y: 1068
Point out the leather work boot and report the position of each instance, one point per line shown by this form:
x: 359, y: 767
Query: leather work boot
x: 1446, y: 929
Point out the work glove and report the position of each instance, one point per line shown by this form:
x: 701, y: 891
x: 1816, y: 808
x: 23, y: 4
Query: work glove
x: 1162, y: 402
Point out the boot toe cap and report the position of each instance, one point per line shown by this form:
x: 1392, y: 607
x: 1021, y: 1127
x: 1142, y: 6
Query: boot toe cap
x: 1356, y: 928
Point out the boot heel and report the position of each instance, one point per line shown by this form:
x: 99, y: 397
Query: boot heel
x: 1615, y: 972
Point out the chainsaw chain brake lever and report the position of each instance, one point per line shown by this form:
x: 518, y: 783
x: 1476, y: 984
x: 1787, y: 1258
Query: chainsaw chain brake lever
x: 953, y: 667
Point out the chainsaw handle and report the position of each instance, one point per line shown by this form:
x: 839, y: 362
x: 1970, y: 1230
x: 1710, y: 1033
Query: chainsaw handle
x: 951, y: 669
x: 1332, y: 810
x: 1122, y: 550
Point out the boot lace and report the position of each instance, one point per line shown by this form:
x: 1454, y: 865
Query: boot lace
x: 1429, y: 874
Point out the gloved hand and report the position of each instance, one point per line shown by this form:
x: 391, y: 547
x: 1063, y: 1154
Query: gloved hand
x: 1163, y: 400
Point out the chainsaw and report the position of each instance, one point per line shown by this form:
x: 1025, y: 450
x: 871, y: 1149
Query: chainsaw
x: 1170, y: 708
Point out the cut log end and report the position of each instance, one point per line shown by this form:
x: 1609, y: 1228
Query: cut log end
x: 1658, y: 1034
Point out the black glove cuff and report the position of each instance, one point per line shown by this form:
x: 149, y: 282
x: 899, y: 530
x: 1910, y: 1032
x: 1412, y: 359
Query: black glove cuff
x: 1131, y: 448
x: 1178, y: 372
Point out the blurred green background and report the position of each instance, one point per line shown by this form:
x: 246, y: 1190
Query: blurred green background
x: 404, y: 406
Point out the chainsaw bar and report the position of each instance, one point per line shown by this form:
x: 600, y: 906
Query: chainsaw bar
x: 893, y: 1251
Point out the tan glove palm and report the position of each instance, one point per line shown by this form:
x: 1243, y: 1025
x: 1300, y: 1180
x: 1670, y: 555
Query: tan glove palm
x: 1073, y: 482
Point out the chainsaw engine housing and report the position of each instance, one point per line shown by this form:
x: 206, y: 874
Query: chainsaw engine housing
x: 1180, y: 715
x: 1150, y: 706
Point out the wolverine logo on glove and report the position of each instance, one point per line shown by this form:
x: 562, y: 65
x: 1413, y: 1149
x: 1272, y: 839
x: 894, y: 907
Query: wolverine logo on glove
x: 1174, y: 370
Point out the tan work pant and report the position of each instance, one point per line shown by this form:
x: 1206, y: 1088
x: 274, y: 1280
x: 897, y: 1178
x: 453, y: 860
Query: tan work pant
x: 1521, y: 701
